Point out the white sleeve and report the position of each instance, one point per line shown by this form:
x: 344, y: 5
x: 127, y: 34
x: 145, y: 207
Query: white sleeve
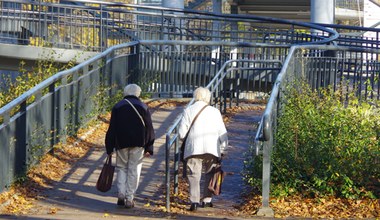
x: 183, y: 125
x: 223, y: 137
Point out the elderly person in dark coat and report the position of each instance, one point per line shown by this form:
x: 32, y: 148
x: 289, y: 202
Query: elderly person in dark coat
x: 131, y: 134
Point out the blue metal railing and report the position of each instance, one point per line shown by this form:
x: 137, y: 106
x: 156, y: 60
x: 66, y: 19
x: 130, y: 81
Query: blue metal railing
x: 57, y: 107
x: 97, y: 25
x: 219, y: 88
x: 315, y: 64
x: 163, y: 68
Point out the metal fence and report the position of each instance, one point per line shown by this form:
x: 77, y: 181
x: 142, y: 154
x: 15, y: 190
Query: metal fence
x: 355, y: 36
x: 224, y: 88
x: 322, y: 66
x: 96, y: 25
x: 174, y: 69
x: 32, y: 123
x: 43, y: 116
x: 206, y: 51
x: 356, y: 5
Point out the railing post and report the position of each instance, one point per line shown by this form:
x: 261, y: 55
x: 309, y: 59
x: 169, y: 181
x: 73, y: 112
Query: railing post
x: 22, y: 149
x: 167, y: 172
x: 162, y: 24
x: 176, y: 163
x: 53, y: 122
x: 225, y: 97
x: 237, y: 86
x: 101, y: 43
x: 265, y: 210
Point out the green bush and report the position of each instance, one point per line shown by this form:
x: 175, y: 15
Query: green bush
x: 324, y: 146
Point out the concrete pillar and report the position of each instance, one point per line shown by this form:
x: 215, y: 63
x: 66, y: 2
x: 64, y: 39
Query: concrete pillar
x: 173, y: 26
x: 234, y: 25
x: 322, y: 11
x: 216, y: 9
x: 217, y: 6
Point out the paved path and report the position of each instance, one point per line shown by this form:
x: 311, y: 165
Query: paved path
x: 75, y: 196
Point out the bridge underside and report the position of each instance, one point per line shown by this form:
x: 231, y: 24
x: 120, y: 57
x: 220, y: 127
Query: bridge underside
x: 9, y: 60
x: 297, y: 10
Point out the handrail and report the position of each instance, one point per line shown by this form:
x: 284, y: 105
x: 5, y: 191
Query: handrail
x: 266, y: 128
x: 70, y: 97
x: 239, y: 17
x: 60, y: 75
x: 46, y: 83
x: 264, y: 139
x: 172, y: 136
x: 106, y: 20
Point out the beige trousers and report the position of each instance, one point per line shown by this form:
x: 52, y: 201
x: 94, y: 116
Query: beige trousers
x: 129, y: 164
x: 195, y: 164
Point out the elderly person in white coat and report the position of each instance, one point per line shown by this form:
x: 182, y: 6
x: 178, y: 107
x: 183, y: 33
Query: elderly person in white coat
x: 204, y: 146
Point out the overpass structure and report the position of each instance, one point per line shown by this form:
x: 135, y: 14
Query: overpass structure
x: 169, y: 52
x: 23, y: 30
x: 40, y: 27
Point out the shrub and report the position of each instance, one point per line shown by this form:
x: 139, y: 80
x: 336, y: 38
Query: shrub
x: 325, y: 146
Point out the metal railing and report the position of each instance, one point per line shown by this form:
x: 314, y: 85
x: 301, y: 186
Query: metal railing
x: 43, y: 116
x: 59, y: 105
x: 350, y: 4
x: 31, y: 124
x: 354, y: 36
x: 224, y: 88
x: 97, y: 25
x: 176, y: 69
x: 322, y: 66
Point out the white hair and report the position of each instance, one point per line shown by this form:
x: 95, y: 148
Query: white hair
x: 132, y: 89
x: 202, y: 94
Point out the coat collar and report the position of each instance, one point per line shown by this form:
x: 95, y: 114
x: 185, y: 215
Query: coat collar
x: 130, y: 97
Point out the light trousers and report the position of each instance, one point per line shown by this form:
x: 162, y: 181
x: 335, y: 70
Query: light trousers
x: 194, y: 166
x: 129, y: 163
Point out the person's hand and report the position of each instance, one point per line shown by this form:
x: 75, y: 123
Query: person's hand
x: 147, y: 154
x: 221, y: 158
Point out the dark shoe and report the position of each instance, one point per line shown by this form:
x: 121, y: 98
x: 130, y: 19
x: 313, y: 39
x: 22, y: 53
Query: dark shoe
x: 121, y: 202
x: 194, y: 206
x: 207, y: 204
x: 129, y: 204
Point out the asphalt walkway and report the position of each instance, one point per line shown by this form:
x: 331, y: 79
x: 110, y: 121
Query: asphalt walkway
x: 75, y: 196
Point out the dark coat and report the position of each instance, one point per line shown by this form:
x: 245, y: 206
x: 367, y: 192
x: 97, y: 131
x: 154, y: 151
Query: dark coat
x: 127, y: 130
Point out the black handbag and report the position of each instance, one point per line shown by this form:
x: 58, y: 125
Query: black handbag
x: 104, y: 182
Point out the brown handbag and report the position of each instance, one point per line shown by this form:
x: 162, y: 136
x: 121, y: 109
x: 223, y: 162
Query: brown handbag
x: 104, y: 182
x: 215, y: 184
